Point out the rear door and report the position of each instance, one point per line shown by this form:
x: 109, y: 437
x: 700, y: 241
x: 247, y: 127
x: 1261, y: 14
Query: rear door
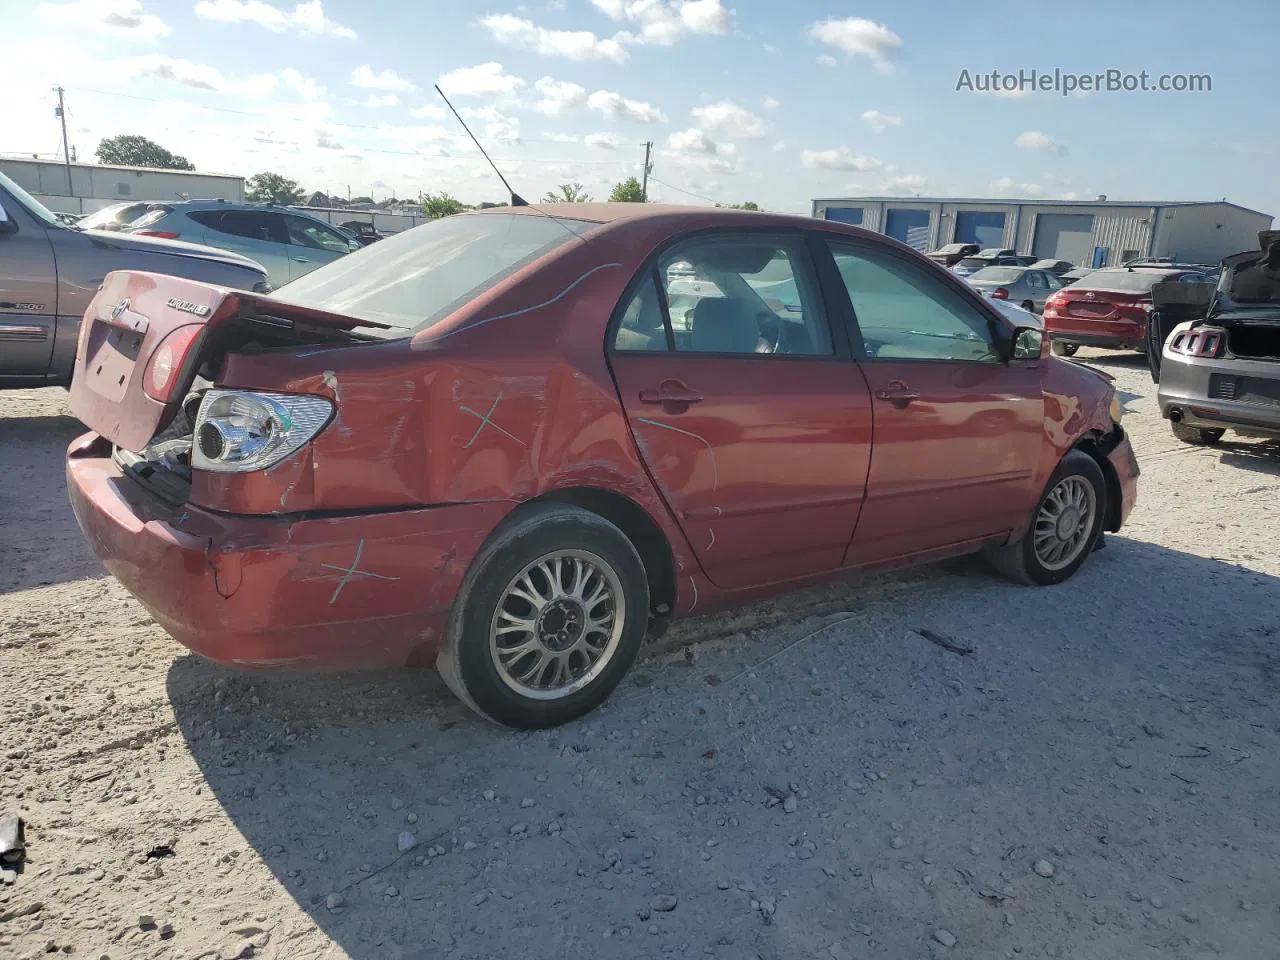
x: 257, y: 234
x: 750, y: 417
x: 312, y: 244
x: 958, y: 430
x: 28, y: 294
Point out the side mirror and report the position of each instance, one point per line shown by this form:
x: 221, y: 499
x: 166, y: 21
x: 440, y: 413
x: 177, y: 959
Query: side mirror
x: 7, y: 223
x: 1028, y: 343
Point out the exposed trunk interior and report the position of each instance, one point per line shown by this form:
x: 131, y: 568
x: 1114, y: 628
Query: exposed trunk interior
x: 1255, y: 341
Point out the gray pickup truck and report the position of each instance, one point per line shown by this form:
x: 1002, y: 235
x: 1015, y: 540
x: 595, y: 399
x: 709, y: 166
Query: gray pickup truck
x: 49, y: 272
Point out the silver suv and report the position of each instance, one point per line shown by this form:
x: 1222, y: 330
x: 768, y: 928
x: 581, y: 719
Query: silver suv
x: 288, y: 243
x: 50, y: 271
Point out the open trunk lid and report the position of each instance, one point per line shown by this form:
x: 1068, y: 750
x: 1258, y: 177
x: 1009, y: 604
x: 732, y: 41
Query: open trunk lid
x: 145, y: 336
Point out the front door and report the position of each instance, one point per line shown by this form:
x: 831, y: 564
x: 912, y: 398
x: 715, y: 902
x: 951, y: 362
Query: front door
x: 752, y: 421
x: 28, y: 295
x: 312, y: 244
x: 257, y: 234
x: 957, y: 429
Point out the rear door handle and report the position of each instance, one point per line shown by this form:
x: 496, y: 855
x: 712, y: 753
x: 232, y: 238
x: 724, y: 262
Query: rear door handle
x: 897, y: 393
x: 301, y: 260
x: 673, y: 395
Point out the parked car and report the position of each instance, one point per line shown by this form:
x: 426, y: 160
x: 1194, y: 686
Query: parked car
x: 1071, y: 276
x: 1221, y: 371
x: 1058, y: 268
x: 1172, y: 303
x: 49, y: 272
x: 364, y: 232
x: 953, y: 253
x: 990, y: 258
x: 1107, y: 308
x: 68, y: 219
x: 290, y: 244
x: 1026, y: 287
x: 115, y: 217
x: 487, y: 442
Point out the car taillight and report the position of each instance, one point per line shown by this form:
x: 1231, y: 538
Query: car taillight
x: 162, y: 234
x: 1198, y: 343
x: 240, y: 431
x: 163, y: 377
x: 1055, y: 300
x: 1000, y: 293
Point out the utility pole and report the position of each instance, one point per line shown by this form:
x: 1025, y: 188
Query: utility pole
x: 644, y: 183
x: 66, y: 147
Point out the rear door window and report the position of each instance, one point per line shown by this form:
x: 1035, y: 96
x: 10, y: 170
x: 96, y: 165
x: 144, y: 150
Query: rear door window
x: 310, y: 233
x: 253, y: 224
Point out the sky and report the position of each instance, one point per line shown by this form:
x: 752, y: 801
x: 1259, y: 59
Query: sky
x: 743, y: 100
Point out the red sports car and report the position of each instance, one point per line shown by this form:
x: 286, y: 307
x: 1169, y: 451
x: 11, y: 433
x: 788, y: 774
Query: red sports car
x: 514, y: 442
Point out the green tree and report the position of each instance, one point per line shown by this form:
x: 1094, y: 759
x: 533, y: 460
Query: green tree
x: 273, y: 188
x: 567, y: 193
x: 628, y: 191
x: 131, y: 150
x: 749, y: 205
x: 441, y: 205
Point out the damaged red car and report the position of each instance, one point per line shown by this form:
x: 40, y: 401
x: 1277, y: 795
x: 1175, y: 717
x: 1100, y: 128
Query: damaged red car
x: 515, y: 442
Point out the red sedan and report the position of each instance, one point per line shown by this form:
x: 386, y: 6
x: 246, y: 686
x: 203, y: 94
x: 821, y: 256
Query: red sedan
x: 1108, y: 308
x: 516, y: 441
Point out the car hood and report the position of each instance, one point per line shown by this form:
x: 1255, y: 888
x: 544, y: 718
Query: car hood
x: 172, y: 248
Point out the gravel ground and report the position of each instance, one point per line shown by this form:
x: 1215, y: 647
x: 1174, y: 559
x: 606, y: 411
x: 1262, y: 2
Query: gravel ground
x: 808, y: 778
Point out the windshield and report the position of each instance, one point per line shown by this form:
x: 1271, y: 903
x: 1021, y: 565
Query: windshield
x: 1121, y: 281
x: 30, y: 203
x: 997, y: 275
x: 417, y: 278
x: 113, y: 217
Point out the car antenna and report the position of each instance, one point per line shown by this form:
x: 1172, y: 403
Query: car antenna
x: 516, y: 199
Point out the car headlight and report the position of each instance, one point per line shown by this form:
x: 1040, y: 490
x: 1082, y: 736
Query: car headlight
x: 1117, y: 411
x: 239, y: 431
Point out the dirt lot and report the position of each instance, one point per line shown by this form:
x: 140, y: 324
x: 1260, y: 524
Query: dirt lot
x: 1098, y: 778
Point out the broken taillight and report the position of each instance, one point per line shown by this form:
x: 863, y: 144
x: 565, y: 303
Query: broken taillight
x: 164, y: 378
x: 1198, y: 342
x: 240, y: 431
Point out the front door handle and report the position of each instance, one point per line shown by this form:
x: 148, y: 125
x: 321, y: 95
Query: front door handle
x: 301, y: 260
x: 897, y: 393
x: 673, y: 395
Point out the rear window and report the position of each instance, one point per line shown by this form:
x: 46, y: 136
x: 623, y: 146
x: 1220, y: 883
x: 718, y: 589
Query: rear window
x: 974, y: 263
x: 998, y: 274
x: 952, y: 248
x: 1122, y: 281
x: 417, y: 278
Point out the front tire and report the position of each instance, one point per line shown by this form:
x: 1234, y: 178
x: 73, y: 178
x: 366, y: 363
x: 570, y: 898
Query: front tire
x: 1065, y: 525
x: 1064, y: 349
x: 1196, y: 436
x: 548, y: 620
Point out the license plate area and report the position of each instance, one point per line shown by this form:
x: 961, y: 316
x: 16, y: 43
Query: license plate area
x: 112, y: 353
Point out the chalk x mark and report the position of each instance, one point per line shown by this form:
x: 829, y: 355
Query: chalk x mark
x: 715, y: 469
x: 351, y: 571
x: 486, y: 420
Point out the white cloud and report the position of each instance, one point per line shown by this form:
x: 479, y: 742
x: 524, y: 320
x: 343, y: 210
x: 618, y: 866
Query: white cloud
x: 571, y: 44
x: 119, y: 18
x: 729, y: 120
x: 880, y: 122
x: 498, y: 125
x: 195, y: 75
x: 428, y: 111
x: 906, y: 183
x: 483, y: 80
x: 1008, y: 187
x: 663, y: 23
x: 858, y: 37
x: 307, y: 88
x: 614, y: 106
x: 692, y: 140
x: 376, y: 101
x: 559, y: 97
x: 325, y: 141
x: 838, y: 158
x: 827, y: 61
x: 387, y: 80
x: 305, y: 18
x: 605, y: 141
x: 769, y: 103
x: 560, y: 137
x: 1035, y: 140
x: 779, y: 146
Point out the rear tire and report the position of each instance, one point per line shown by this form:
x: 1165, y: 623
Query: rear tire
x: 1196, y: 436
x: 1064, y: 349
x: 1065, y: 525
x: 543, y: 661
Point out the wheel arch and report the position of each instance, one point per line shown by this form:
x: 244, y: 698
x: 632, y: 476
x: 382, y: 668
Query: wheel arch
x: 1097, y: 445
x: 645, y: 535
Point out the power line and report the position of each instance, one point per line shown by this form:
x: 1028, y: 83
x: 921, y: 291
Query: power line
x: 687, y: 193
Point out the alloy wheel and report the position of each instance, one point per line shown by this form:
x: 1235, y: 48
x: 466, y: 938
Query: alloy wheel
x: 1065, y: 522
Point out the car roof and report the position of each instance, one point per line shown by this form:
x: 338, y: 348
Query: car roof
x: 614, y: 212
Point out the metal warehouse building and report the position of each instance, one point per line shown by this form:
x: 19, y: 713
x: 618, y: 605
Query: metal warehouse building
x: 1103, y: 233
x: 94, y: 185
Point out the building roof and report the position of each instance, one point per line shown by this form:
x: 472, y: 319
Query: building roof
x: 111, y: 166
x: 1032, y: 202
